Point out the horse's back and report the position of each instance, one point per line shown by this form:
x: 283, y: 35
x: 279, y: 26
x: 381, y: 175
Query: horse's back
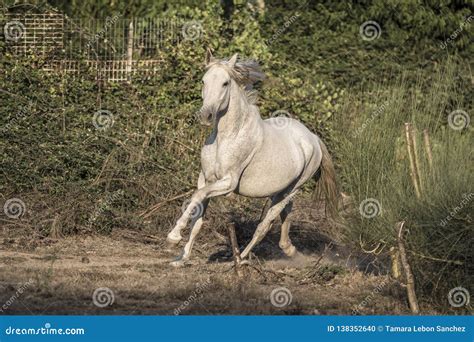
x: 287, y: 150
x: 292, y: 130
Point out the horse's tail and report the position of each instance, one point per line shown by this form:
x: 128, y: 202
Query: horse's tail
x: 326, y: 185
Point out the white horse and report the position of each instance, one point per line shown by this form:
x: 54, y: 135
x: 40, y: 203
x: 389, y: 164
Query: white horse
x: 250, y: 156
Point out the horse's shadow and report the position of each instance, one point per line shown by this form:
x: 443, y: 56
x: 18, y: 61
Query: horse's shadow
x: 267, y: 249
x: 307, y: 240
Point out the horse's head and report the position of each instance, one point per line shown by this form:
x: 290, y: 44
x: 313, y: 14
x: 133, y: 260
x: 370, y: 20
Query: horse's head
x: 218, y: 81
x: 216, y: 85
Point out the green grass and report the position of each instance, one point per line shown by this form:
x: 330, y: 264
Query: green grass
x: 373, y: 164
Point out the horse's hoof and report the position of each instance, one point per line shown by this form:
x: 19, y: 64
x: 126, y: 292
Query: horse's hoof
x: 173, y: 240
x: 178, y: 263
x: 290, y: 251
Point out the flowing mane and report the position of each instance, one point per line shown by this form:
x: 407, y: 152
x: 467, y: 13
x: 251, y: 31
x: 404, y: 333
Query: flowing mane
x: 245, y: 72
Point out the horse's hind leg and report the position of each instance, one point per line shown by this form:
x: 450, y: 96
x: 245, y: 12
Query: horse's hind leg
x: 265, y: 225
x: 285, y: 242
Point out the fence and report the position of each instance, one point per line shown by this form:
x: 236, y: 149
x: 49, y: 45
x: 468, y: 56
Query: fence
x: 117, y: 49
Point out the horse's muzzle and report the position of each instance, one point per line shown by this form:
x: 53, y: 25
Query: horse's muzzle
x: 205, y: 116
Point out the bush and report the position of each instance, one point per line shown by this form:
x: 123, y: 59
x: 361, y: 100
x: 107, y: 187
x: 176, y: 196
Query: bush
x: 374, y: 167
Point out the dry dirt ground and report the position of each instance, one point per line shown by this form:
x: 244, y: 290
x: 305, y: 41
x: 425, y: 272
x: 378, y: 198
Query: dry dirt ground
x: 59, y: 276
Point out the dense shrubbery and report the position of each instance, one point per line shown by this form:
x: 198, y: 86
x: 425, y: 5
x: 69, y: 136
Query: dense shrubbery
x: 65, y: 170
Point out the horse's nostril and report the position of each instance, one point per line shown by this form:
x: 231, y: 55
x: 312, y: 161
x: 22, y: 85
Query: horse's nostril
x: 206, y: 117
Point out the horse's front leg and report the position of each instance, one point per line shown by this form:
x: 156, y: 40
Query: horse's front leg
x: 195, y: 229
x: 222, y: 186
x: 174, y: 236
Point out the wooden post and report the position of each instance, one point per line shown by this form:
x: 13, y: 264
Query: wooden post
x: 261, y: 6
x: 426, y: 139
x: 414, y: 137
x: 411, y: 156
x: 410, y: 285
x: 395, y: 261
x: 235, y: 250
x: 129, y: 62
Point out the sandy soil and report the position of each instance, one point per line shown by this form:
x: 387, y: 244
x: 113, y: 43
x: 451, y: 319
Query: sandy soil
x: 60, y: 276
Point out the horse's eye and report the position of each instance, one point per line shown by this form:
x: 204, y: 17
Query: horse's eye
x: 225, y: 84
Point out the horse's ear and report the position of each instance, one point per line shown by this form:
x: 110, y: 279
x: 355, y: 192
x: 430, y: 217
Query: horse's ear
x: 233, y: 60
x: 209, y: 56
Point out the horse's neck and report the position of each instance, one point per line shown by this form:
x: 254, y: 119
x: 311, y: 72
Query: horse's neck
x: 240, y: 115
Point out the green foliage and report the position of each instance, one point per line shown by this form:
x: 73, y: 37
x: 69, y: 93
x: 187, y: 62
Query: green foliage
x: 374, y: 164
x: 325, y: 39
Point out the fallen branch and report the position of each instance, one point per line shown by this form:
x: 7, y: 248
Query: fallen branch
x: 235, y: 251
x: 455, y: 262
x: 375, y: 251
x: 315, y: 265
x: 410, y: 285
x: 151, y: 210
